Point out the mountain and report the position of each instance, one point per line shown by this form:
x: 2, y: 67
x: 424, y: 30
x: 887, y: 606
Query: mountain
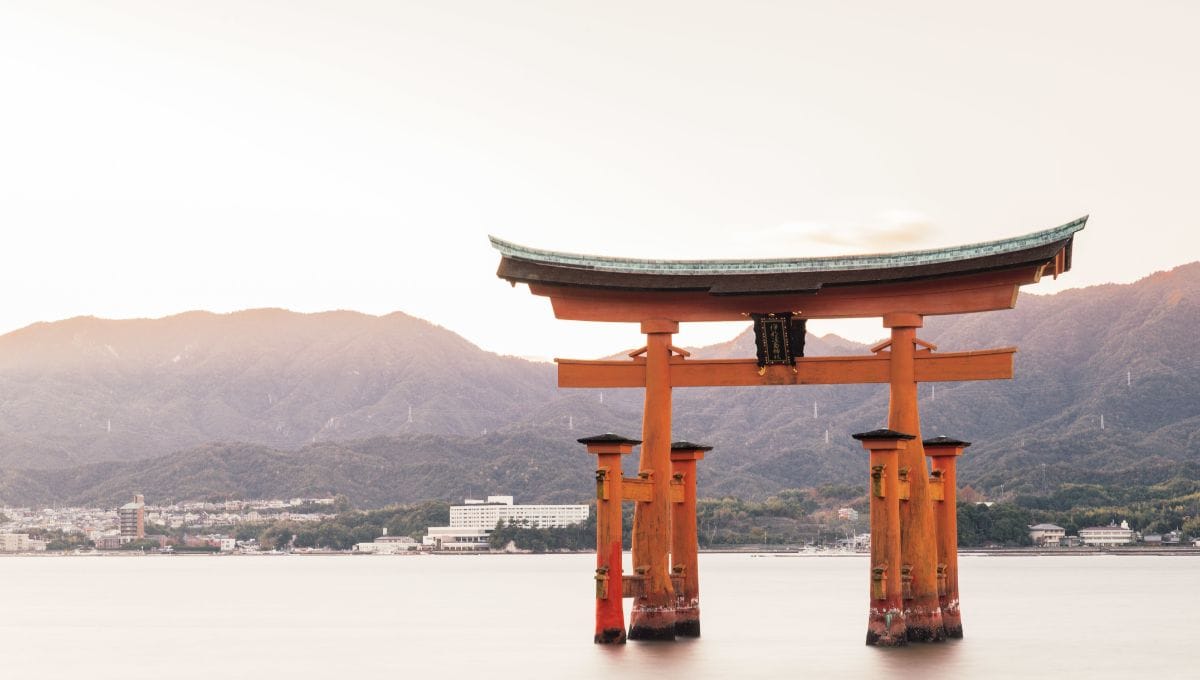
x: 371, y: 472
x: 88, y: 390
x: 319, y: 403
x: 1129, y: 354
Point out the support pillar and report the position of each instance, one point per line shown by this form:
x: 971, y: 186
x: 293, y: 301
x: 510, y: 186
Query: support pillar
x: 653, y: 616
x: 943, y: 453
x: 885, y: 620
x: 684, y: 539
x: 610, y: 617
x: 923, y: 616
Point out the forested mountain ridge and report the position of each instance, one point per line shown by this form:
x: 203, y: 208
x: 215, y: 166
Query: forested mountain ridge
x: 87, y: 390
x: 320, y: 403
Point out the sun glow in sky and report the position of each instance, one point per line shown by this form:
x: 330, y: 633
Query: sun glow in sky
x: 162, y: 157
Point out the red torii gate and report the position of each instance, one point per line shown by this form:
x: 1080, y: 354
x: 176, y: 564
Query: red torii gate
x: 914, y: 591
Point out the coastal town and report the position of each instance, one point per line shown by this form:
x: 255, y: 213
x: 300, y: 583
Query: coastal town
x: 211, y: 527
x: 196, y: 526
x: 30, y: 530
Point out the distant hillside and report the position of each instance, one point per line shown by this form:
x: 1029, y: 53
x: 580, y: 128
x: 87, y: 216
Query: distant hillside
x: 87, y: 390
x: 372, y: 472
x: 1129, y: 353
x: 278, y: 381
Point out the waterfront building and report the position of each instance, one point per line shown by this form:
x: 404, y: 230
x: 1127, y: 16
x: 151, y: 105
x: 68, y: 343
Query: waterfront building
x: 388, y: 545
x: 20, y: 543
x: 133, y: 519
x: 1047, y: 535
x: 476, y: 514
x: 455, y: 539
x: 848, y: 514
x: 108, y: 542
x: 472, y: 522
x: 1106, y: 536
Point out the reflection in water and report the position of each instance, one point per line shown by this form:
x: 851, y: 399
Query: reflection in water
x: 530, y: 617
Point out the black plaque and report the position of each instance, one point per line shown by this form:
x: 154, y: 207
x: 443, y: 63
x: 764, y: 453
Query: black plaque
x: 778, y: 338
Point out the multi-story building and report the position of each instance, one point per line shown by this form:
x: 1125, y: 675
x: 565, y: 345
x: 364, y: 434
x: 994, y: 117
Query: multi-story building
x: 476, y: 514
x: 472, y: 522
x: 1109, y: 535
x: 388, y: 545
x: 20, y: 543
x: 1047, y: 535
x: 133, y: 519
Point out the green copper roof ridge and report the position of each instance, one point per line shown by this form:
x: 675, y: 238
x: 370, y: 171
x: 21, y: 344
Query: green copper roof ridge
x: 787, y: 265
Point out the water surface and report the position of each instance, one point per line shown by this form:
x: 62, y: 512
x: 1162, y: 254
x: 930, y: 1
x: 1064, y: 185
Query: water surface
x: 530, y: 616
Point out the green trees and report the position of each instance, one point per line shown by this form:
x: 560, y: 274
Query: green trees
x: 1000, y: 524
x: 346, y: 528
x: 1153, y: 508
x: 581, y: 536
x: 58, y: 539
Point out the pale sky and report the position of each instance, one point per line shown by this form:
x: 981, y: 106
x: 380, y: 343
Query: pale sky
x: 158, y: 157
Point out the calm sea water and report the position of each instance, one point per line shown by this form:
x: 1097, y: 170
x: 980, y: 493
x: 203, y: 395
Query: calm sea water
x: 527, y: 616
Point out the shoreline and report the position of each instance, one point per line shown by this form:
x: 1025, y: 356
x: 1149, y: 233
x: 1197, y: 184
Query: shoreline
x: 754, y: 551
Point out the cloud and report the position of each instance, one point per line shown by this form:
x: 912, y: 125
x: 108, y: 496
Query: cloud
x: 886, y: 231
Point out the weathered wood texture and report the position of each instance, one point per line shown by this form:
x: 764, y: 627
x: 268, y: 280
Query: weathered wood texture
x: 685, y: 544
x: 923, y: 618
x: 653, y: 615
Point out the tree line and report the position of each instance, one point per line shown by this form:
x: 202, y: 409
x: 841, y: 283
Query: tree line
x: 791, y: 517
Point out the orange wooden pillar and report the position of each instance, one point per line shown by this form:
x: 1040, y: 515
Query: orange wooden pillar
x: 943, y: 453
x: 885, y: 622
x: 923, y: 616
x: 610, y: 617
x: 653, y: 615
x: 684, y: 539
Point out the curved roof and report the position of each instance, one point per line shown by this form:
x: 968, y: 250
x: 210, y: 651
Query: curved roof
x: 522, y: 264
x: 882, y: 434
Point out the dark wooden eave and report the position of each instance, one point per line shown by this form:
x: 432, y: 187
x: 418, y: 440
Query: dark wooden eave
x: 520, y: 264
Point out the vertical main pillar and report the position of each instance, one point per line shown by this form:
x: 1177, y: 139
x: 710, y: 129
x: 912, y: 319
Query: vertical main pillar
x: 684, y: 539
x: 923, y: 618
x: 610, y: 617
x: 653, y: 616
x: 943, y: 453
x: 885, y: 621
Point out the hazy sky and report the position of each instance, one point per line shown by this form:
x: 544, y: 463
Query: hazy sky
x: 158, y: 157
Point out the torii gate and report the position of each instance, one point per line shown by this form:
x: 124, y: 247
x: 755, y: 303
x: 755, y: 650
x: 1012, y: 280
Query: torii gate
x: 914, y: 556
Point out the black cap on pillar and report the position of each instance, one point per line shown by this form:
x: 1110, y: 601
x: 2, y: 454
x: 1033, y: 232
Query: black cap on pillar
x: 689, y: 446
x: 880, y: 434
x: 608, y: 438
x: 946, y: 441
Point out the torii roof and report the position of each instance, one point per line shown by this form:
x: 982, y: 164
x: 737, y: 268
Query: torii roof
x: 961, y: 279
x: 521, y: 264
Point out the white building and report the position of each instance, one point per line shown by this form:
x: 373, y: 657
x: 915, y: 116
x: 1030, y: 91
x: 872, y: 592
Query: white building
x: 1109, y: 535
x: 388, y: 545
x: 476, y: 514
x: 20, y: 543
x: 472, y: 522
x: 1047, y: 534
x: 456, y: 540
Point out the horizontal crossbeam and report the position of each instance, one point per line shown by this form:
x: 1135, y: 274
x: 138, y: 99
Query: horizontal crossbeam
x: 643, y: 490
x: 992, y: 364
